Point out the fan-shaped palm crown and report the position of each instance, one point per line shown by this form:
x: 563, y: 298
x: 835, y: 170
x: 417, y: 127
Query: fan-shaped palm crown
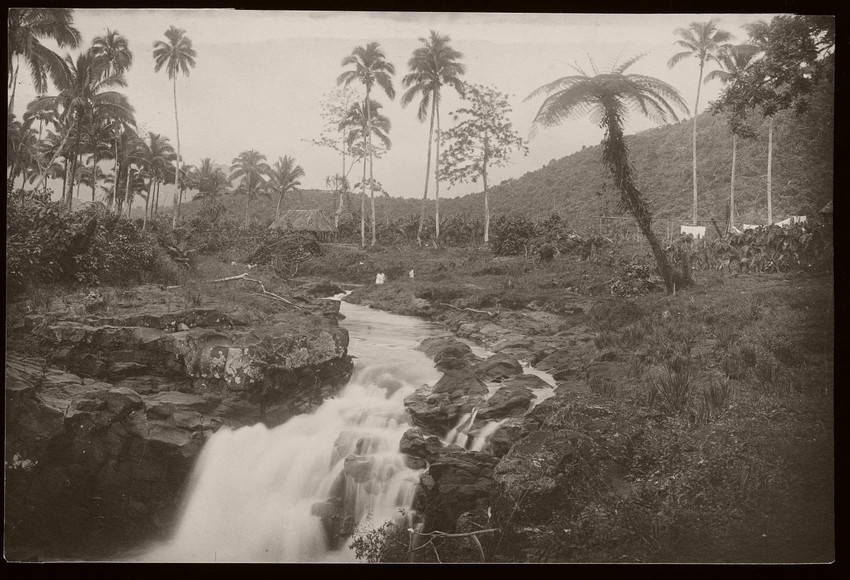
x: 115, y: 49
x: 250, y: 166
x: 702, y: 40
x: 432, y: 65
x: 733, y: 60
x: 176, y: 55
x: 369, y: 66
x: 357, y: 121
x: 607, y: 96
x: 284, y: 175
x: 26, y: 28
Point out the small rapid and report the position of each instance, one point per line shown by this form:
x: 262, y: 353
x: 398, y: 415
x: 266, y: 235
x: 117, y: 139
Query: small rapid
x: 255, y: 492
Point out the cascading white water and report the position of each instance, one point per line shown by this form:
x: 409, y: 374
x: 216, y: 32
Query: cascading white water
x: 253, y: 489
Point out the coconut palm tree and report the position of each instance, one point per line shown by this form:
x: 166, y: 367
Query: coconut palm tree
x: 209, y: 180
x: 283, y: 178
x: 608, y: 97
x: 361, y: 126
x: 176, y: 55
x: 130, y: 152
x: 734, y: 61
x: 369, y: 67
x: 114, y: 49
x: 703, y: 41
x: 83, y: 87
x: 251, y: 167
x: 27, y: 27
x: 432, y: 65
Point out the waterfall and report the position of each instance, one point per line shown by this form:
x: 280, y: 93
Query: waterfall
x: 254, y: 490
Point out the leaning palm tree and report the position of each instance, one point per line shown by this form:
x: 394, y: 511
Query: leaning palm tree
x: 84, y: 87
x: 251, y: 167
x: 608, y: 97
x: 176, y: 55
x: 734, y: 62
x: 703, y: 41
x: 27, y: 27
x: 361, y: 126
x: 369, y: 66
x: 432, y: 65
x: 283, y: 178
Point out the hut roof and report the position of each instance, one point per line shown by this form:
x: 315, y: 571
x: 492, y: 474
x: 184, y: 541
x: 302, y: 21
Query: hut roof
x: 311, y: 220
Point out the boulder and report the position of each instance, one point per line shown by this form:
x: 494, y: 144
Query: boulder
x: 456, y: 482
x: 497, y: 367
x: 528, y: 381
x: 448, y: 353
x: 417, y: 444
x: 337, y: 523
x: 507, y: 401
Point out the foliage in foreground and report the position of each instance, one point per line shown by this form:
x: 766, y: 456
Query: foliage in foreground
x: 45, y: 243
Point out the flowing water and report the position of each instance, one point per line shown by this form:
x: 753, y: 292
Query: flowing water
x: 253, y: 490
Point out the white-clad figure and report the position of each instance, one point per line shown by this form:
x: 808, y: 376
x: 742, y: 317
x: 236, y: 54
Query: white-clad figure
x: 410, y: 273
x: 380, y: 278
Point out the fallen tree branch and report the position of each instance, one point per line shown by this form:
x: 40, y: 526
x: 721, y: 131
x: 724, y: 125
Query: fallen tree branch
x: 439, y: 534
x: 263, y: 286
x: 469, y: 309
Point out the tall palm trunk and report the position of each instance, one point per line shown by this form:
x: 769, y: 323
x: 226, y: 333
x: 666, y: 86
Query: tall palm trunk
x: 372, y: 194
x: 277, y: 211
x: 13, y: 84
x: 363, y: 209
x: 427, y: 175
x: 147, y: 204
x: 55, y: 155
x: 93, y: 177
x: 64, y: 179
x: 732, y: 182
x: 615, y: 156
x: 437, y: 178
x: 247, y: 206
x: 115, y: 168
x: 769, y: 171
x: 179, y: 193
x: 486, y: 193
x: 696, y: 110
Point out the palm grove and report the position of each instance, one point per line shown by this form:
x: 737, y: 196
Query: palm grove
x: 82, y: 129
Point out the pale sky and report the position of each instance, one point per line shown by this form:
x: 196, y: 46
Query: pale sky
x: 261, y: 75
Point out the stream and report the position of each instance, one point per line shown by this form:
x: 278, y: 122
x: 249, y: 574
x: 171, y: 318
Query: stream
x: 253, y: 491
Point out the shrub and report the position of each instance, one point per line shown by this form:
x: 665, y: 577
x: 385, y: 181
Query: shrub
x: 46, y: 243
x: 511, y: 235
x: 715, y: 399
x: 671, y: 389
x: 603, y: 386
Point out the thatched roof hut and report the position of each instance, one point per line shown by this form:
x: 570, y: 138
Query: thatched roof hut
x: 304, y: 220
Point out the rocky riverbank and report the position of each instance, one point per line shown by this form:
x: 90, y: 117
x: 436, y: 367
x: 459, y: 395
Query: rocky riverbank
x: 680, y: 430
x: 111, y: 395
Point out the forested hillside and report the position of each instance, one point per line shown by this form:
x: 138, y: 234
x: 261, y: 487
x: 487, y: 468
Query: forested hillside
x: 577, y: 187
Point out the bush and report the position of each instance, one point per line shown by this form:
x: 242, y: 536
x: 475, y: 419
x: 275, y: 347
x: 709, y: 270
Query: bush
x: 511, y: 236
x: 46, y: 243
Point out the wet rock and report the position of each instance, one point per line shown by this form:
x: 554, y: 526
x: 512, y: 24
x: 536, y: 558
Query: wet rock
x: 321, y: 288
x: 438, y: 408
x: 448, y: 353
x: 497, y: 367
x: 359, y: 467
x: 507, y: 401
x: 526, y: 380
x: 505, y: 436
x: 337, y: 523
x: 416, y: 443
x: 456, y: 482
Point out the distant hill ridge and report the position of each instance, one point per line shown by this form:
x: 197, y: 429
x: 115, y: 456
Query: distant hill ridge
x: 577, y: 186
